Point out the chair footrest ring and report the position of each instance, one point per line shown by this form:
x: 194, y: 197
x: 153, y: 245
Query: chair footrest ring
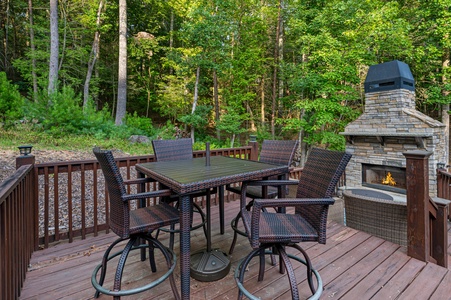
x: 154, y: 283
x: 315, y: 296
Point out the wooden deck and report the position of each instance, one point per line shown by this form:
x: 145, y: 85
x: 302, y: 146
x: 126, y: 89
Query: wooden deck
x: 352, y: 265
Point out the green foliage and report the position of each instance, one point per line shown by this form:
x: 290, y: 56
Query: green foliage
x: 231, y: 121
x: 61, y: 114
x: 314, y: 83
x: 11, y: 101
x: 140, y: 123
x: 198, y: 119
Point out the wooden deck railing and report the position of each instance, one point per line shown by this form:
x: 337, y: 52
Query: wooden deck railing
x: 73, y: 199
x: 427, y: 228
x: 17, y: 234
x: 444, y: 186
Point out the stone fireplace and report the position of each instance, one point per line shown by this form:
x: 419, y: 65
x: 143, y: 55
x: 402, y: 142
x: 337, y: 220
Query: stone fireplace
x: 389, y: 126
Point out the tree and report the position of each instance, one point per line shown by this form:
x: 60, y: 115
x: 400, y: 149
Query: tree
x: 93, y: 56
x: 54, y: 47
x: 122, y: 74
x: 33, y: 51
x: 231, y: 123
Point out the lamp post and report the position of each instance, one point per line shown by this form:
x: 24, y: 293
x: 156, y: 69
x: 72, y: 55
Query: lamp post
x: 25, y: 158
x: 25, y: 150
x: 441, y: 165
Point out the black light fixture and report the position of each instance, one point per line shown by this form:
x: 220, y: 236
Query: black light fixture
x: 25, y: 150
x: 440, y: 165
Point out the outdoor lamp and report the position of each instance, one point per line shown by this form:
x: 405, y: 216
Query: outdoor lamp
x: 440, y: 165
x: 25, y: 149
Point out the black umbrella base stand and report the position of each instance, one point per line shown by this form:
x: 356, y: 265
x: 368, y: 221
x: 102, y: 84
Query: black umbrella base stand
x: 209, y: 265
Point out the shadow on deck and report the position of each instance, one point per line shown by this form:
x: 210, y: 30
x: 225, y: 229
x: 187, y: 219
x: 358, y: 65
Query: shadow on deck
x: 352, y: 265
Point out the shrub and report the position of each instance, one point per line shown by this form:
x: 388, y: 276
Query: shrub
x: 11, y: 102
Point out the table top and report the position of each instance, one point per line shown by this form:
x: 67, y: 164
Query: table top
x: 186, y: 176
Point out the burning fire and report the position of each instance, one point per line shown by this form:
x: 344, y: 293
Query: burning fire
x: 389, y: 180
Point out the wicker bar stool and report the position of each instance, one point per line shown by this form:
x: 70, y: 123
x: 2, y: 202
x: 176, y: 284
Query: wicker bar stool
x: 134, y: 226
x: 276, y: 230
x: 179, y: 149
x: 273, y: 152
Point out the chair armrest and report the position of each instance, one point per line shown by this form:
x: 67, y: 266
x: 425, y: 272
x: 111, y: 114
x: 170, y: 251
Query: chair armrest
x: 138, y: 180
x: 145, y: 195
x: 288, y: 202
x: 270, y: 182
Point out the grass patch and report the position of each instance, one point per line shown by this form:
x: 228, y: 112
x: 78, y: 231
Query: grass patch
x: 12, y: 138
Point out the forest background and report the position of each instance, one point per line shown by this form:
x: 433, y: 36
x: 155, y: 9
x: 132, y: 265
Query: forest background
x: 74, y: 73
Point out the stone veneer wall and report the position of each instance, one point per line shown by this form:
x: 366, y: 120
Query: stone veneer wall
x: 390, y: 126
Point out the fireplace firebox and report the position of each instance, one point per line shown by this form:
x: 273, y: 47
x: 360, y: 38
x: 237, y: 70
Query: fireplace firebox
x: 387, y: 178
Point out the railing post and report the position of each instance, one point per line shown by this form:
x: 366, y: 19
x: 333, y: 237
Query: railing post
x: 254, y: 151
x: 417, y: 175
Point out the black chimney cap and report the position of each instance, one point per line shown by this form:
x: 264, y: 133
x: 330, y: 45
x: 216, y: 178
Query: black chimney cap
x: 388, y: 76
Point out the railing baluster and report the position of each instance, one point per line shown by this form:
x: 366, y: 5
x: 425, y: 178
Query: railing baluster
x: 83, y: 201
x: 46, y: 207
x: 95, y: 202
x: 69, y: 203
x: 56, y: 214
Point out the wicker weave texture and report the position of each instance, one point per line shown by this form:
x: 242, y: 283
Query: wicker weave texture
x: 382, y: 218
x: 278, y: 152
x: 266, y: 229
x: 320, y: 175
x: 124, y: 222
x: 168, y: 150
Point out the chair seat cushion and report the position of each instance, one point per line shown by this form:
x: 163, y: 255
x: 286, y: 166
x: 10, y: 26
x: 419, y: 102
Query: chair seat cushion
x: 152, y: 217
x: 281, y: 228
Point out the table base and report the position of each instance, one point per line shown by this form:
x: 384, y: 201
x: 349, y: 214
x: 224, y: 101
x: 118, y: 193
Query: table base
x: 209, y: 265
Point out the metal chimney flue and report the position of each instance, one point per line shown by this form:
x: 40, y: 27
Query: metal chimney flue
x: 388, y: 76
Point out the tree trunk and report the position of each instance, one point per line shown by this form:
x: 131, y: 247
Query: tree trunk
x: 5, y: 37
x: 276, y: 66
x: 196, y: 96
x: 171, y: 37
x: 280, y: 59
x: 251, y: 116
x: 445, y: 93
x: 33, y: 52
x: 122, y: 74
x: 262, y: 105
x: 216, y: 99
x: 54, y: 47
x: 93, y: 56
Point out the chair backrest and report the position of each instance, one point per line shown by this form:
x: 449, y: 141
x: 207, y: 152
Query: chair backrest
x: 119, y: 210
x: 278, y: 151
x: 321, y: 173
x: 167, y: 150
x: 319, y: 177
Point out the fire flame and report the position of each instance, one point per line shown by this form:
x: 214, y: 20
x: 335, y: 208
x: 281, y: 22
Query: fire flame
x: 389, y: 180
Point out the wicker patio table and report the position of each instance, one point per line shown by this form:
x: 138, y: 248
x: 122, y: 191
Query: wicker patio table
x: 187, y: 176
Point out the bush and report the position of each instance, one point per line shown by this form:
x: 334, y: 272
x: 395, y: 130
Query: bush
x: 11, y: 102
x: 61, y: 114
x: 140, y: 123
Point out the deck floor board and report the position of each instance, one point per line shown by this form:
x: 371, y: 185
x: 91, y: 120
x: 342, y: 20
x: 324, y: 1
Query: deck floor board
x: 352, y: 265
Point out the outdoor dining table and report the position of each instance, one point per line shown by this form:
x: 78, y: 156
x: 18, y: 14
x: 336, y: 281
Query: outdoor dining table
x: 187, y: 176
